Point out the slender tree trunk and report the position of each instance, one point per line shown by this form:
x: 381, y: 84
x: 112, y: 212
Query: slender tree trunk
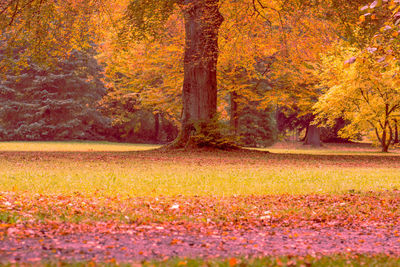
x: 202, y: 22
x: 384, y: 146
x: 313, y: 136
x: 234, y: 116
x: 156, y: 126
x: 385, y: 140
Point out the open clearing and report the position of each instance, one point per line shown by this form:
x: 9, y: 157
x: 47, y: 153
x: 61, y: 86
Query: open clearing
x: 121, y: 205
x: 217, y: 173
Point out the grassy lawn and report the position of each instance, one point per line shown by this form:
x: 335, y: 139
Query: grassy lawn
x: 88, y: 182
x: 76, y: 146
x: 126, y: 169
x: 340, y: 260
x: 144, y: 177
x: 330, y: 149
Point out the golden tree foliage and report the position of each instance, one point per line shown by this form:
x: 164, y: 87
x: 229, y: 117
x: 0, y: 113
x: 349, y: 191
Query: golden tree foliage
x: 268, y: 50
x: 303, y: 35
x: 363, y: 91
x: 48, y: 29
x: 271, y: 47
x: 153, y: 69
x: 151, y: 72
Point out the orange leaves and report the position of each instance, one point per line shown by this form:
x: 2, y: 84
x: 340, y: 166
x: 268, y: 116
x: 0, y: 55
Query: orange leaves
x: 233, y: 262
x: 175, y: 242
x: 294, y: 211
x: 299, y: 224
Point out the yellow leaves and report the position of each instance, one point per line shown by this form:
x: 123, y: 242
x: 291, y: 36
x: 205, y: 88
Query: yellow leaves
x: 359, y: 92
x: 376, y: 3
x: 392, y: 4
x: 361, y: 18
x: 396, y: 10
x: 385, y: 28
x: 350, y: 61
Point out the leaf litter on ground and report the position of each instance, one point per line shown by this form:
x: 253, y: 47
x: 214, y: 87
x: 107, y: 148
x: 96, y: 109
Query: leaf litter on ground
x: 79, y: 227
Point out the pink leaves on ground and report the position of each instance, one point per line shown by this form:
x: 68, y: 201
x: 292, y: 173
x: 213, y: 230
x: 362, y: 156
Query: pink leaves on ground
x: 230, y: 212
x: 122, y: 229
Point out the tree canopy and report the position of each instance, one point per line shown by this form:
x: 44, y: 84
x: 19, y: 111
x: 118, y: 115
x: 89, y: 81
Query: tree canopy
x: 209, y: 67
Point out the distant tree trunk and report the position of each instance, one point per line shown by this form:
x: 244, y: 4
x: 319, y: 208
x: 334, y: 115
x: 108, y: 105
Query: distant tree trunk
x: 387, y: 132
x: 385, y: 142
x: 313, y: 136
x: 202, y: 22
x: 386, y: 138
x: 234, y: 116
x: 396, y: 133
x: 156, y: 126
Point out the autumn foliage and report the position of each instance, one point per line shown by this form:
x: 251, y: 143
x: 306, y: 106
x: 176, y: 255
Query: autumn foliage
x: 204, y: 78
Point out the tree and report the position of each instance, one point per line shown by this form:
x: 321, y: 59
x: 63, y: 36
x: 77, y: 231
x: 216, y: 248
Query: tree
x: 51, y: 82
x: 303, y: 31
x: 202, y: 21
x: 303, y: 34
x: 363, y: 91
x: 146, y: 76
x: 48, y: 29
x: 57, y: 103
x: 153, y: 68
x: 145, y: 19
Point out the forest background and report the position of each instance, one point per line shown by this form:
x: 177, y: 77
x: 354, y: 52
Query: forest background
x: 114, y: 70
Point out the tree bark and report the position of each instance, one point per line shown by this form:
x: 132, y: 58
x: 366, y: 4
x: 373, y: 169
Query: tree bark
x: 234, y: 116
x: 313, y: 136
x: 387, y: 141
x: 202, y: 22
x: 156, y: 126
x: 384, y: 140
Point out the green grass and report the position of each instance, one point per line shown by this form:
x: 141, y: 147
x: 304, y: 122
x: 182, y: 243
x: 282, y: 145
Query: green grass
x: 325, y: 151
x: 73, y: 146
x: 125, y: 169
x: 141, y: 178
x: 318, y: 261
x: 152, y: 173
x: 330, y: 149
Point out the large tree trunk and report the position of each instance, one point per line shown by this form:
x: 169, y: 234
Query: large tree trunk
x: 202, y: 22
x: 313, y: 136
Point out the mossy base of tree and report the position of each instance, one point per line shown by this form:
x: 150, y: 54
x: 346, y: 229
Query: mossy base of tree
x: 205, y: 135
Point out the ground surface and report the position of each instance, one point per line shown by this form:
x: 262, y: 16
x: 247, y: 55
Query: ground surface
x: 135, y: 206
x: 100, y: 229
x: 139, y: 243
